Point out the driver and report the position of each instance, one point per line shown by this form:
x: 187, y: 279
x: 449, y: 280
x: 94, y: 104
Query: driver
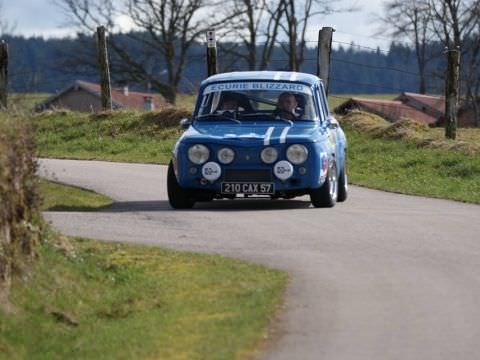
x: 286, y: 106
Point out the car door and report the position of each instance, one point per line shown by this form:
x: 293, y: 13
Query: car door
x: 335, y: 132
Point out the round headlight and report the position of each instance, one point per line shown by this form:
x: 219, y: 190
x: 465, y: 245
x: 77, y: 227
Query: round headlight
x: 198, y: 154
x: 226, y: 155
x: 297, y: 154
x: 269, y: 155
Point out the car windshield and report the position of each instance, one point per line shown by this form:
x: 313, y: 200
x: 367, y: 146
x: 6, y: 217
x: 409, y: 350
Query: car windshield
x: 257, y: 100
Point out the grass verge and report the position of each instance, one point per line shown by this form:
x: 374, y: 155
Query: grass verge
x: 88, y: 300
x: 59, y: 197
x: 401, y: 158
x: 126, y: 136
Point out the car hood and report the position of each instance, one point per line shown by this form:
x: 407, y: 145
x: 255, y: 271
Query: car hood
x: 254, y: 133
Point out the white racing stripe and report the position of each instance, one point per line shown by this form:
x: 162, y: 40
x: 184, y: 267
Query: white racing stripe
x: 293, y: 77
x: 283, y: 135
x: 277, y: 76
x: 268, y: 134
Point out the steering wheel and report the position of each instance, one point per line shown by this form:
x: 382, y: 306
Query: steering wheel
x: 281, y: 113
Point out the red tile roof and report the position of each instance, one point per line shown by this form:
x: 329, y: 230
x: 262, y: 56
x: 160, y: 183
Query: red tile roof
x: 392, y: 110
x: 436, y: 103
x: 134, y: 99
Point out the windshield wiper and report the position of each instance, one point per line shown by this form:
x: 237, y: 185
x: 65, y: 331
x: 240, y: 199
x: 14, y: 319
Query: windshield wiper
x: 254, y: 114
x: 222, y: 116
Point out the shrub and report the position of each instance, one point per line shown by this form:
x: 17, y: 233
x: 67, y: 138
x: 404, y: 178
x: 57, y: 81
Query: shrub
x: 18, y: 198
x: 168, y: 117
x: 405, y: 129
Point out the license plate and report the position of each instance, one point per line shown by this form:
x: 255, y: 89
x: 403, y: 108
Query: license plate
x: 247, y: 188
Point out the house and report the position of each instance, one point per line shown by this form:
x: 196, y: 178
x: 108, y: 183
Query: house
x: 391, y: 110
x: 428, y: 109
x: 85, y: 97
x: 429, y: 104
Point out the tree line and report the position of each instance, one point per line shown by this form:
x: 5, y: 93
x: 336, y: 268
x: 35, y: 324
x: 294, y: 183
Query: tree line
x: 164, y: 52
x: 49, y: 65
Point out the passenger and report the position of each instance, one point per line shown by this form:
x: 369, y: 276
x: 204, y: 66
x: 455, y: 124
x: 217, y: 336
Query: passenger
x: 229, y: 102
x: 287, y: 106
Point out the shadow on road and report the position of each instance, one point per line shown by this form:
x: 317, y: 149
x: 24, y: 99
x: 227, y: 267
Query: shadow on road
x: 216, y: 205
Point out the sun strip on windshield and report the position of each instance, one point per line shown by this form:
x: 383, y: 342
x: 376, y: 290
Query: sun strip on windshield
x: 258, y: 85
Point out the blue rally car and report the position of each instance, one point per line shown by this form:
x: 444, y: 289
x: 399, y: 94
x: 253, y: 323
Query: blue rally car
x: 263, y: 134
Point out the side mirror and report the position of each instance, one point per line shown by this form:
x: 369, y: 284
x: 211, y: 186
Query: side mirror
x: 185, y: 123
x: 333, y: 123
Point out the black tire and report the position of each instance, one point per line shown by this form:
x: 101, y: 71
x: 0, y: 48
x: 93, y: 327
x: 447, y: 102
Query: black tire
x: 178, y: 197
x: 326, y: 195
x: 342, y: 186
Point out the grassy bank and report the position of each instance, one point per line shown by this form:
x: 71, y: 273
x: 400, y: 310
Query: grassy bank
x: 88, y: 300
x: 121, y: 136
x: 410, y: 159
x: 126, y: 136
x: 59, y: 197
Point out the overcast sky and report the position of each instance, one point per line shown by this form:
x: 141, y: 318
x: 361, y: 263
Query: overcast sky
x: 43, y: 18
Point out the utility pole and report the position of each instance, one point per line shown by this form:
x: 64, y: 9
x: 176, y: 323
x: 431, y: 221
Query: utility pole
x: 452, y: 93
x: 324, y: 53
x: 3, y: 74
x: 103, y: 66
x: 212, y: 67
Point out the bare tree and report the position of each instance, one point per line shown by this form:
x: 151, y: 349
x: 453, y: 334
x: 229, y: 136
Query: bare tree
x: 298, y: 14
x: 6, y: 27
x: 456, y: 25
x: 258, y: 35
x: 472, y: 68
x: 163, y: 28
x: 411, y: 19
x: 453, y: 20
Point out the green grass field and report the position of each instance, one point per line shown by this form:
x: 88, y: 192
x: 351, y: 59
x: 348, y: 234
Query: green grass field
x: 401, y: 166
x: 91, y: 300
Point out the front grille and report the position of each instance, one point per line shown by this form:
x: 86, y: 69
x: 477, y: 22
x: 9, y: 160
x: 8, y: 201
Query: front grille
x: 242, y: 175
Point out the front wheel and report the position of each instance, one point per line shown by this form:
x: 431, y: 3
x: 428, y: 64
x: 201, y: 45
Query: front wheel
x: 326, y: 195
x: 178, y: 197
x: 342, y: 185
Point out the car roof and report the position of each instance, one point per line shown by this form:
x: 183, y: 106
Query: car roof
x: 263, y: 76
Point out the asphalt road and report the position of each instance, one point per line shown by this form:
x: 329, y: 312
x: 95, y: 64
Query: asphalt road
x: 382, y: 276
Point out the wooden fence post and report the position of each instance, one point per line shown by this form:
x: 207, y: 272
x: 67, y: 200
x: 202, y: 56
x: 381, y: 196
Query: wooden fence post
x: 3, y: 74
x: 452, y: 83
x: 103, y: 66
x: 324, y: 55
x: 212, y: 67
